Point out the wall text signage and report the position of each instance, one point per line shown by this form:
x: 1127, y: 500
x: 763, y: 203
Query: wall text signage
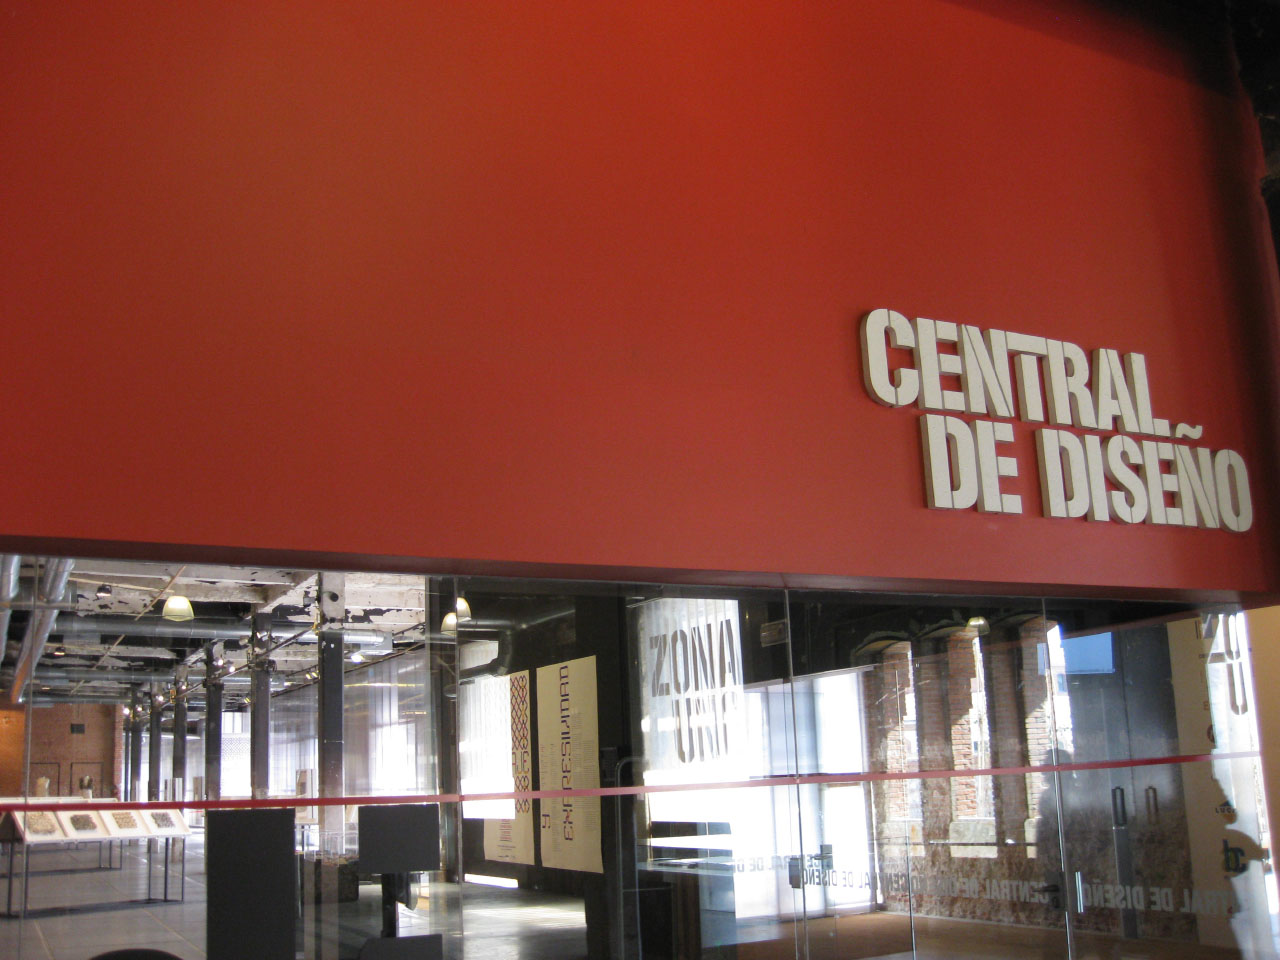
x: 1102, y: 452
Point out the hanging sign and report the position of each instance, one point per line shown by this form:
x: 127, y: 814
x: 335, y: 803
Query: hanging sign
x: 510, y: 839
x: 569, y: 759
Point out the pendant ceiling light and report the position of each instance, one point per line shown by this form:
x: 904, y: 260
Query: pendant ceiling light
x: 178, y: 607
x: 461, y: 613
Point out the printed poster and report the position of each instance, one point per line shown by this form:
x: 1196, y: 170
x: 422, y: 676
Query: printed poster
x: 569, y: 759
x: 511, y: 840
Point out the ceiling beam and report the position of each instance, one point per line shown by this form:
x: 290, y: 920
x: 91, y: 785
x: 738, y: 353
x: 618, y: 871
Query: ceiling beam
x: 192, y: 571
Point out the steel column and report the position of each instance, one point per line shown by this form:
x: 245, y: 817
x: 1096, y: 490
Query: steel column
x: 134, y: 775
x: 333, y: 613
x: 180, y: 738
x: 153, y: 748
x: 444, y: 666
x: 126, y: 745
x: 212, y: 729
x: 260, y: 709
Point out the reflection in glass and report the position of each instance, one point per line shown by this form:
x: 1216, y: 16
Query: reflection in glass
x: 824, y: 775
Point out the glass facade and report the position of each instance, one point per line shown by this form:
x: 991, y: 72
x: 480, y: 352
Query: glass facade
x: 635, y: 771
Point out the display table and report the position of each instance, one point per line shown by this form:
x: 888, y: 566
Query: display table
x: 89, y: 822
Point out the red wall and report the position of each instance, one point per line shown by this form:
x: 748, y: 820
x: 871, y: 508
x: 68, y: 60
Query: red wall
x: 578, y: 283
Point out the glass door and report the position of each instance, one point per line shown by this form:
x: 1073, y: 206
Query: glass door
x: 1160, y: 812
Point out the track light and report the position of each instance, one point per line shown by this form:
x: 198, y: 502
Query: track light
x: 104, y: 591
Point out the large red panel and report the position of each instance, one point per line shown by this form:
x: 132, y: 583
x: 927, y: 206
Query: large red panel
x: 578, y: 282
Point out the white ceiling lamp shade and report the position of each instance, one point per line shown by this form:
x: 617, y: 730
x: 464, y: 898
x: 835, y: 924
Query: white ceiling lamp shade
x: 461, y: 613
x: 979, y: 625
x: 178, y: 607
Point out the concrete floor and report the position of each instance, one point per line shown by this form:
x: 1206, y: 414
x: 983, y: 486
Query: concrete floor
x: 77, y: 911
x: 108, y: 907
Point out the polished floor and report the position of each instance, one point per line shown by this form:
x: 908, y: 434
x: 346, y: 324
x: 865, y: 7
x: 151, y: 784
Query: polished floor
x: 77, y: 910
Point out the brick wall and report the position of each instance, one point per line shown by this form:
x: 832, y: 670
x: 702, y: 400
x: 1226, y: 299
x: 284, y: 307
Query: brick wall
x: 892, y: 751
x: 13, y: 743
x: 961, y: 674
x: 1034, y: 688
x: 950, y: 843
x: 64, y: 756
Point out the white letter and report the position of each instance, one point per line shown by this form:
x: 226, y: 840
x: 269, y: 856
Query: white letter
x: 986, y: 371
x: 1097, y: 478
x: 1111, y: 392
x: 1029, y: 349
x: 992, y: 467
x: 1233, y: 478
x: 1064, y: 494
x: 1196, y: 489
x: 927, y: 365
x: 882, y: 329
x: 1136, y: 366
x: 1123, y: 453
x: 1068, y: 386
x: 949, y: 364
x: 950, y: 473
x: 1159, y: 483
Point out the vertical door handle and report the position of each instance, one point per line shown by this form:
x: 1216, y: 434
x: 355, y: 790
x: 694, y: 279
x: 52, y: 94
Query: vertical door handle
x: 1119, y: 814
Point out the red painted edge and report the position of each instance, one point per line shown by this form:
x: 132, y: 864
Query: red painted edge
x: 785, y: 780
x: 159, y: 552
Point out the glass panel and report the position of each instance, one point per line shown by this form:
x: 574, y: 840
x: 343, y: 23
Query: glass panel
x: 715, y: 840
x: 717, y: 772
x: 1161, y: 803
x: 538, y: 684
x: 904, y: 707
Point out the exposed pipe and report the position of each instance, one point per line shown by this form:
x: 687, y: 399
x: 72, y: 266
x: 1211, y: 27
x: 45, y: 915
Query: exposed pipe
x: 200, y: 630
x: 190, y: 630
x: 52, y: 586
x: 72, y: 674
x: 10, y: 565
